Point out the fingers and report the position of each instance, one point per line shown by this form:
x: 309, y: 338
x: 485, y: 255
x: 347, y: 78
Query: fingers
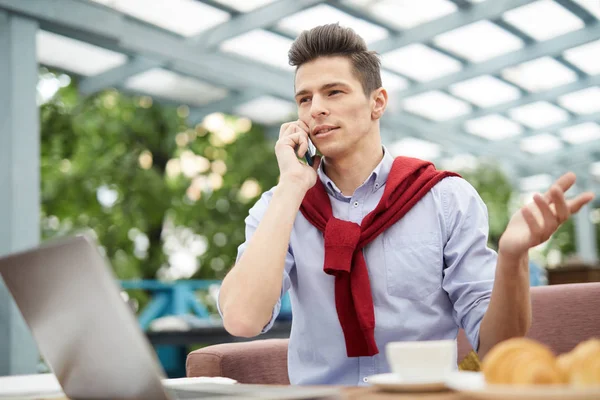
x: 544, y: 218
x: 564, y: 183
x: 556, y: 196
x: 294, y: 126
x: 560, y: 205
x: 288, y: 128
x: 298, y: 141
x: 295, y: 134
x: 303, y: 125
x: 550, y: 210
x: 303, y: 146
x: 549, y: 221
x: 574, y: 205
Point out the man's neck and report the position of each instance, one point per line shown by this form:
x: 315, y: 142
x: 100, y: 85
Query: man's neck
x: 351, y: 171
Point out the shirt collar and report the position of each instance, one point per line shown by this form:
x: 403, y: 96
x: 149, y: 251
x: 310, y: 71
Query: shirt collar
x: 376, y: 179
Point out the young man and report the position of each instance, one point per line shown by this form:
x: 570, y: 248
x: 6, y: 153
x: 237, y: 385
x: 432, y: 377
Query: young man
x: 373, y: 249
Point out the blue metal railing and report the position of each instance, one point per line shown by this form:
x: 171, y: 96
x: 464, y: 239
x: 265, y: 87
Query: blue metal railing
x: 171, y: 298
x: 178, y: 298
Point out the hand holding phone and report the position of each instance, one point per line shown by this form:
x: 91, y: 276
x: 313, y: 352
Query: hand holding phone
x: 292, y: 136
x: 310, y: 153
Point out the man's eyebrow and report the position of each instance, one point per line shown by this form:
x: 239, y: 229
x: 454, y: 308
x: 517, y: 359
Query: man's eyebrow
x: 301, y: 93
x: 324, y: 87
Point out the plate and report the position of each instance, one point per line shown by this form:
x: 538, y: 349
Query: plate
x: 392, y: 382
x: 473, y: 384
x: 183, y: 382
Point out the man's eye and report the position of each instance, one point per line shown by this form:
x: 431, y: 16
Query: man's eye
x: 335, y: 92
x: 304, y: 100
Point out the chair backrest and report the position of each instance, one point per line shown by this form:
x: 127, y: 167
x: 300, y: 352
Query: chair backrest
x: 563, y: 316
x: 257, y: 361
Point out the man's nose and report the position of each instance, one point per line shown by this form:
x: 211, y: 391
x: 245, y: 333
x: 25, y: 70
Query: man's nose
x: 318, y: 108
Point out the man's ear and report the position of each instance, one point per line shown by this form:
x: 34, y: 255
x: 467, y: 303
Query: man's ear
x: 379, y: 101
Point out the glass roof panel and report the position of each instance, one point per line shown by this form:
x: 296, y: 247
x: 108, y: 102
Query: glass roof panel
x: 420, y: 62
x: 585, y: 101
x: 536, y: 182
x: 542, y: 143
x: 543, y: 19
x: 413, y: 147
x: 185, y: 17
x: 172, y: 86
x: 392, y: 82
x: 246, y: 5
x: 405, y: 14
x: 595, y: 169
x: 581, y: 133
x: 493, y: 127
x: 262, y: 46
x: 539, y: 114
x: 476, y: 41
x: 585, y: 57
x: 485, y: 91
x: 75, y: 56
x: 540, y: 74
x: 459, y: 162
x: 436, y: 105
x: 592, y: 6
x: 268, y: 110
x: 325, y: 14
x: 473, y: 41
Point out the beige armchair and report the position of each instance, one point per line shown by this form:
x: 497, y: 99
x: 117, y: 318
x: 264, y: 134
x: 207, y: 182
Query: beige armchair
x: 563, y: 315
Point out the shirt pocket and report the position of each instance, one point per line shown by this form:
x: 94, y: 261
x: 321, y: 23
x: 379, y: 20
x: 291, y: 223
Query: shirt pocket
x: 413, y: 265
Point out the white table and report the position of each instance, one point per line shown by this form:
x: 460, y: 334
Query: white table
x: 46, y: 386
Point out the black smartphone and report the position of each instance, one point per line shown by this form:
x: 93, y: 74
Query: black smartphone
x: 310, y: 153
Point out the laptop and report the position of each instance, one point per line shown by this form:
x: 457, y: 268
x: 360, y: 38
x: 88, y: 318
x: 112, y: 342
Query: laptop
x: 89, y: 337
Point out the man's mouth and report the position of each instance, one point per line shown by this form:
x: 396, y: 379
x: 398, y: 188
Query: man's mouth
x: 322, y: 131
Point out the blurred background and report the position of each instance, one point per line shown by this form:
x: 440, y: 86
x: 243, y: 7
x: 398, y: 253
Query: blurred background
x: 150, y: 125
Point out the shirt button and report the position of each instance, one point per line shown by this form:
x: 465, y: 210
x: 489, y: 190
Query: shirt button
x: 356, y: 204
x: 365, y: 379
x: 376, y: 185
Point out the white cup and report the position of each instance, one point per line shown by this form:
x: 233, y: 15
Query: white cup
x: 423, y: 361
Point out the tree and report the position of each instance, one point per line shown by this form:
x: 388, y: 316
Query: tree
x: 163, y: 199
x: 496, y: 192
x: 502, y: 200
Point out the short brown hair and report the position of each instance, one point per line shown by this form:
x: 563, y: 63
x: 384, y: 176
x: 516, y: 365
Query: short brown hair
x: 333, y: 40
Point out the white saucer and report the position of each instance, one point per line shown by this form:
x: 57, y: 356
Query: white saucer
x: 473, y: 384
x: 181, y: 382
x: 392, y: 382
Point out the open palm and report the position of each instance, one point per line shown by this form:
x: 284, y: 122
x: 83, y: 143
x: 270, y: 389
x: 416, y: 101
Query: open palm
x: 534, y: 223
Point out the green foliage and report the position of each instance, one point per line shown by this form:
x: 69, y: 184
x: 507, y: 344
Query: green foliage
x: 496, y: 192
x: 502, y: 201
x: 133, y: 172
x: 563, y: 240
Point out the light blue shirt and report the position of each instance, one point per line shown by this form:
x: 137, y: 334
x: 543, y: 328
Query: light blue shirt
x: 430, y: 273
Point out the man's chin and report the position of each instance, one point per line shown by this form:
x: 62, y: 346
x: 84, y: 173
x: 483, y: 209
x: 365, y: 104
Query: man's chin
x: 331, y: 153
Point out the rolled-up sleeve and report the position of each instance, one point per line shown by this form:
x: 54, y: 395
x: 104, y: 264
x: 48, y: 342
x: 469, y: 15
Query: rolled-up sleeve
x: 469, y: 263
x: 254, y: 217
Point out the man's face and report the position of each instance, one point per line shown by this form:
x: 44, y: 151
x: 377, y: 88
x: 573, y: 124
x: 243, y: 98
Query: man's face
x: 331, y: 101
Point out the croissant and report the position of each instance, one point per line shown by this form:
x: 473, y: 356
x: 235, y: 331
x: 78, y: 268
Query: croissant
x: 521, y: 361
x: 581, y: 366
